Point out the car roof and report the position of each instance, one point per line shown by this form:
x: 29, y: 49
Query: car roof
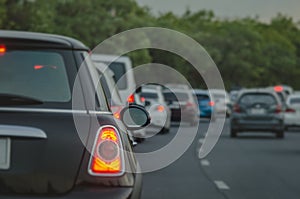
x: 34, y: 38
x: 200, y: 91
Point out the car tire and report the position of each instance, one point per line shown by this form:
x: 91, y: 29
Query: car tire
x: 280, y: 134
x: 233, y: 133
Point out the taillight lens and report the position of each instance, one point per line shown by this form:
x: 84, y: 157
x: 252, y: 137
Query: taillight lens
x: 211, y: 103
x: 236, y: 108
x: 278, y: 109
x: 190, y: 105
x: 116, y: 110
x: 130, y: 99
x: 2, y: 49
x: 107, y: 157
x: 160, y: 108
x: 290, y: 110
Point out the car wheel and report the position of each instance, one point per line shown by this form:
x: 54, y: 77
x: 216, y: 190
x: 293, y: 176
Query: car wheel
x: 233, y: 133
x: 280, y: 134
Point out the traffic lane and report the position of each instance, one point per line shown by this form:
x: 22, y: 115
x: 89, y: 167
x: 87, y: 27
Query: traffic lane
x: 256, y: 165
x: 184, y: 178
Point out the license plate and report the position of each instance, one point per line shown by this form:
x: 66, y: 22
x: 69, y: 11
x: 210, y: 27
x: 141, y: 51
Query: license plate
x: 258, y: 111
x: 4, y: 153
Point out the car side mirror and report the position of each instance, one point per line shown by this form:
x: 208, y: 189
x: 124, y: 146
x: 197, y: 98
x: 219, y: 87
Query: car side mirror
x: 135, y: 117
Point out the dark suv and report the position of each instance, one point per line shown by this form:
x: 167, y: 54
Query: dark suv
x: 257, y: 110
x: 43, y: 153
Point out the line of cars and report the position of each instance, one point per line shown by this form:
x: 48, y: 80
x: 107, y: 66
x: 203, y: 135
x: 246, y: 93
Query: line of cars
x: 272, y: 109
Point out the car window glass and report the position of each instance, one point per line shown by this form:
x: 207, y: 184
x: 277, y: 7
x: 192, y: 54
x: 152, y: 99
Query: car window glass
x: 295, y: 101
x: 178, y: 96
x: 149, y: 95
x: 249, y: 99
x: 119, y: 70
x: 35, y: 74
x: 202, y: 97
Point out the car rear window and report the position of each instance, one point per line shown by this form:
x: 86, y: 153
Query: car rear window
x: 256, y: 98
x: 178, y: 96
x: 295, y: 101
x: 149, y: 95
x: 119, y: 70
x: 202, y: 97
x: 36, y: 74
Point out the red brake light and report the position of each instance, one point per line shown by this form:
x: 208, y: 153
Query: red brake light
x: 2, y: 49
x: 211, y: 103
x: 278, y: 109
x: 236, y: 108
x: 38, y: 67
x: 290, y: 110
x: 130, y: 99
x: 106, y: 156
x: 278, y: 88
x: 116, y: 110
x: 160, y: 108
x: 143, y: 99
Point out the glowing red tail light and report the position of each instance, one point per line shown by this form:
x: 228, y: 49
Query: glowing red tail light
x: 2, y: 48
x: 290, y: 110
x: 278, y: 88
x: 278, y: 109
x: 107, y: 157
x: 190, y: 105
x: 160, y: 108
x: 211, y: 103
x: 236, y: 108
x: 116, y: 110
x: 130, y: 99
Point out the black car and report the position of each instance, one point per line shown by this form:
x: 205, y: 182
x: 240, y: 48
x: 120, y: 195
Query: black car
x: 257, y: 110
x: 43, y: 153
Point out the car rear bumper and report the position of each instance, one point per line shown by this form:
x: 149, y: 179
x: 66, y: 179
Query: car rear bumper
x: 257, y: 125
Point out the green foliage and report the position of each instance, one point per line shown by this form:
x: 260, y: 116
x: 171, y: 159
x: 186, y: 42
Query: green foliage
x: 248, y: 52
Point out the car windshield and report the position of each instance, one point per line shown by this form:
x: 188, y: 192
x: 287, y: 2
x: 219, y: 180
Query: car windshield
x: 35, y: 74
x: 295, y: 101
x: 259, y: 98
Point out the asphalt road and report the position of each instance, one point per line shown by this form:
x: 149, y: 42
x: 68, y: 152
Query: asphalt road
x: 254, y: 165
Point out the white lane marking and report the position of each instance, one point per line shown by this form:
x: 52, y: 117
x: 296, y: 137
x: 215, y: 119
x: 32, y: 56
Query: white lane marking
x: 201, y: 141
x: 205, y: 162
x: 221, y: 185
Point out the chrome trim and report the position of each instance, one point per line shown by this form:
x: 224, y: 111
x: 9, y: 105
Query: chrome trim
x: 21, y: 131
x: 48, y: 110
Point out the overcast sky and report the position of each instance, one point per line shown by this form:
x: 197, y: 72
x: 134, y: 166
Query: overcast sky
x: 265, y: 9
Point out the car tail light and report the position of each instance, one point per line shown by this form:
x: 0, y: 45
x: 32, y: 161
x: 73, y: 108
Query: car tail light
x: 143, y: 99
x: 116, y: 110
x: 278, y: 109
x: 290, y: 110
x: 2, y: 49
x: 107, y: 157
x: 130, y: 99
x: 160, y: 108
x: 38, y: 67
x: 236, y: 108
x: 190, y: 105
x: 278, y: 89
x: 211, y: 103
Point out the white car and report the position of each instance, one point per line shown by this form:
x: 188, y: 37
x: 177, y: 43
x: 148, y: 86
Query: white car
x: 122, y: 68
x: 222, y: 101
x: 292, y: 111
x: 114, y: 99
x: 156, y: 106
